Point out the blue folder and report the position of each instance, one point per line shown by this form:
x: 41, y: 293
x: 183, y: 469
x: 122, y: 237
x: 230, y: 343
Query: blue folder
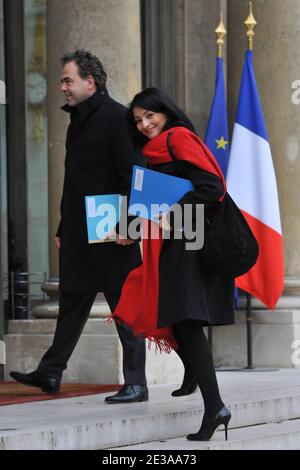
x: 102, y: 215
x: 150, y: 189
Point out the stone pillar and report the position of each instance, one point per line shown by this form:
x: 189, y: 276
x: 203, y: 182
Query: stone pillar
x: 275, y: 334
x: 196, y: 52
x: 109, y: 28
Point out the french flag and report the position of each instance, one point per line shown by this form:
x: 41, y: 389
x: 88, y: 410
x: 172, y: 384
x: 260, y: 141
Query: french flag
x: 251, y: 182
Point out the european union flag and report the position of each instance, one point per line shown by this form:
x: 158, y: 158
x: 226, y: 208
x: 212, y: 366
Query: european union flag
x: 217, y: 137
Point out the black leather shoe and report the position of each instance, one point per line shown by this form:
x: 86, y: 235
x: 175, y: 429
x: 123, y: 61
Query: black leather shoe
x: 186, y: 388
x: 209, y: 425
x: 129, y: 394
x: 34, y: 379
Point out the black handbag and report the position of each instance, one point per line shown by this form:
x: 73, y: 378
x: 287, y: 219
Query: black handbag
x: 230, y: 248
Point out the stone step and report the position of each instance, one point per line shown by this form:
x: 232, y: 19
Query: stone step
x: 88, y: 423
x: 96, y: 326
x: 100, y: 309
x: 97, y: 357
x: 269, y: 329
x: 275, y: 436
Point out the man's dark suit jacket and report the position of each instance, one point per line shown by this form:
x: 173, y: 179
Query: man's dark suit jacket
x: 99, y: 159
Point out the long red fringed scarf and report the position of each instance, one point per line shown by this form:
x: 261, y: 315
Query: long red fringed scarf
x: 138, y: 305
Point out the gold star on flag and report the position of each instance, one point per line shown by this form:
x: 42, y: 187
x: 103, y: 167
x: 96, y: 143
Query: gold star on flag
x: 222, y: 143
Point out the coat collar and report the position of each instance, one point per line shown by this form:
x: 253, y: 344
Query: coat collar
x: 84, y: 109
x: 89, y: 104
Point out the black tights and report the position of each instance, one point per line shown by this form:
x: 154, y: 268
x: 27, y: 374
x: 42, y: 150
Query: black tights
x: 196, y: 355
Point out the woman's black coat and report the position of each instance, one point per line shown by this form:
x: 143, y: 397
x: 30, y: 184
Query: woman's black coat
x: 99, y: 160
x: 186, y: 289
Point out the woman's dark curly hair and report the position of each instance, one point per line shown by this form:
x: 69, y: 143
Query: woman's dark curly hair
x: 154, y: 99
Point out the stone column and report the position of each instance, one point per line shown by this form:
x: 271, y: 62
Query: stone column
x: 196, y: 52
x: 109, y: 28
x: 277, y: 65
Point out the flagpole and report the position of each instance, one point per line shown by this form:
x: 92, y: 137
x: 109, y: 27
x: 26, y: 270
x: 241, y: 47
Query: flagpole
x: 220, y: 33
x: 250, y: 24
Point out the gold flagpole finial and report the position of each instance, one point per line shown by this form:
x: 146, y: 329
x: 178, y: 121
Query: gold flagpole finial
x: 220, y: 32
x: 250, y: 25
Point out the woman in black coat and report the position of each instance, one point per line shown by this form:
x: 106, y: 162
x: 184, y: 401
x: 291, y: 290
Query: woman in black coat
x: 177, y: 295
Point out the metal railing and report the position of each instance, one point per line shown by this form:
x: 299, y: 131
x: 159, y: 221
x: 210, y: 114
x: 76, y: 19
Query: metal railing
x: 21, y: 293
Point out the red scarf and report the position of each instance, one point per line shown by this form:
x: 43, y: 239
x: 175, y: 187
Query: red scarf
x: 138, y: 305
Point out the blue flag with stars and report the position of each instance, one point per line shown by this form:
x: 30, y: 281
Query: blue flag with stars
x: 217, y: 137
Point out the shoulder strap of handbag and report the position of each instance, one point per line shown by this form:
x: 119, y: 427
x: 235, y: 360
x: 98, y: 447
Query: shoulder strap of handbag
x: 173, y: 156
x: 171, y: 152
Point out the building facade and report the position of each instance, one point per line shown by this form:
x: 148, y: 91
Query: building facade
x: 164, y: 43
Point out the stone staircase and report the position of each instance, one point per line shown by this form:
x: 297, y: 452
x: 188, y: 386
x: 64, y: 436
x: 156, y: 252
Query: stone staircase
x: 265, y: 410
x: 273, y: 436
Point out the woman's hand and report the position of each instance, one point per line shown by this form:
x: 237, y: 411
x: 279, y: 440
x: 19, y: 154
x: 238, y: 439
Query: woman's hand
x: 163, y: 222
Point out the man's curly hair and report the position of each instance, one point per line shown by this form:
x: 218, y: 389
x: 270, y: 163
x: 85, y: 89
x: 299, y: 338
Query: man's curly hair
x: 88, y: 64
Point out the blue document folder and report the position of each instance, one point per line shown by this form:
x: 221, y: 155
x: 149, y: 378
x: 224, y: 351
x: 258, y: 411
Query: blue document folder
x: 151, y: 189
x: 102, y: 215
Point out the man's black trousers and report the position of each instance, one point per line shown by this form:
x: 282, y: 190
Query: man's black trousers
x: 74, y: 309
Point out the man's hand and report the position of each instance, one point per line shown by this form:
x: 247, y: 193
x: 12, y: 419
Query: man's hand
x: 123, y: 241
x: 57, y: 242
x: 118, y: 239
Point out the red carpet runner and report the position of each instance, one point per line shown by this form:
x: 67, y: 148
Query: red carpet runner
x: 12, y: 393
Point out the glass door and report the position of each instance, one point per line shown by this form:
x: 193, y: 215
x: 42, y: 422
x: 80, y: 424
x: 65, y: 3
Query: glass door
x: 35, y: 50
x: 3, y: 190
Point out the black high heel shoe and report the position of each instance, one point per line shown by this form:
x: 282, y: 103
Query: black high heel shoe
x: 210, y: 425
x: 186, y: 388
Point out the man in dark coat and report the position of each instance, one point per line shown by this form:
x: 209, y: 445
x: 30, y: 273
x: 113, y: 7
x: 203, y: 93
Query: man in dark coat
x: 99, y: 160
